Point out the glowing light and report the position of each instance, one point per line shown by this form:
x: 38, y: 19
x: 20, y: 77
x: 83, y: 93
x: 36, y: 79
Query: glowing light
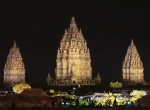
x: 18, y: 88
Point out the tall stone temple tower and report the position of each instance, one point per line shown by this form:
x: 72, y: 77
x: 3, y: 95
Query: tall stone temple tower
x: 73, y: 63
x: 14, y: 71
x: 132, y: 67
x: 73, y: 56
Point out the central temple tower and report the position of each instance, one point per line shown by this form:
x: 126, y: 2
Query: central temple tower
x: 73, y: 56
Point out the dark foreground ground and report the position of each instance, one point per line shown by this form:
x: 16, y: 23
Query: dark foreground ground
x: 75, y: 108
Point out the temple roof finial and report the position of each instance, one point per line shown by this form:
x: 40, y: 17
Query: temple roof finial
x: 73, y: 23
x: 14, y: 44
x: 132, y: 42
x: 65, y: 31
x: 80, y: 30
x: 73, y: 20
x: 49, y: 75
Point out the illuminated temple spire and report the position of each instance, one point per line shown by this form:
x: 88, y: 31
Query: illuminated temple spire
x: 14, y: 44
x: 132, y: 66
x: 73, y: 23
x: 73, y: 56
x: 14, y: 71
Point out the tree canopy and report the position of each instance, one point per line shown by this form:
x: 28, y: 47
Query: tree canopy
x: 18, y: 88
x: 115, y: 85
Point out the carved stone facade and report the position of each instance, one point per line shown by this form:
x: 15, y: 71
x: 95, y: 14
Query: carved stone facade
x: 73, y: 56
x: 132, y: 66
x: 14, y: 71
x: 51, y: 81
x: 73, y: 63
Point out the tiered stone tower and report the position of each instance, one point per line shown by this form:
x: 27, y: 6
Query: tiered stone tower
x: 14, y: 71
x: 73, y: 56
x: 132, y: 66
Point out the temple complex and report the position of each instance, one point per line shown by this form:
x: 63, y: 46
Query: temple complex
x: 73, y: 63
x: 14, y: 71
x: 132, y: 70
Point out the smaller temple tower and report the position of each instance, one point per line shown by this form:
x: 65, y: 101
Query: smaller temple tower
x: 132, y: 70
x: 98, y: 78
x: 49, y: 79
x: 14, y: 70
